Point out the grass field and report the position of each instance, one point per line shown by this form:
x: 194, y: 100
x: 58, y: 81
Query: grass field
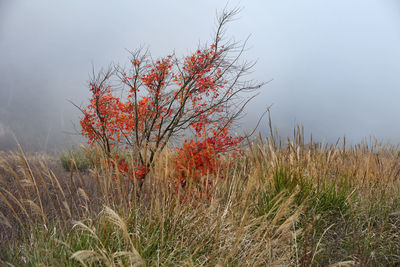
x: 298, y: 204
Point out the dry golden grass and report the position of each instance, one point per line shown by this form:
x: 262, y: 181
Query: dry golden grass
x: 276, y: 205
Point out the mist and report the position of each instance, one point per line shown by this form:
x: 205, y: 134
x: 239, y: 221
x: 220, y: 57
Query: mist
x: 334, y: 64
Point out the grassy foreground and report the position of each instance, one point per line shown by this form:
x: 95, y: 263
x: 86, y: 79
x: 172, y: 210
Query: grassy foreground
x: 293, y: 205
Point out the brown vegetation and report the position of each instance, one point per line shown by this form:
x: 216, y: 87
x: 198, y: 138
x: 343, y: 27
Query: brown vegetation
x: 296, y: 204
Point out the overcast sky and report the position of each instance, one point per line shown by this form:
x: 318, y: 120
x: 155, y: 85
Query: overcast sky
x: 335, y: 64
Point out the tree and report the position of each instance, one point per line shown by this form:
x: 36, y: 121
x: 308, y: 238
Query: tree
x: 197, y: 98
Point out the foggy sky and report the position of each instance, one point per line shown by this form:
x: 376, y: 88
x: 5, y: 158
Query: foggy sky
x: 335, y: 64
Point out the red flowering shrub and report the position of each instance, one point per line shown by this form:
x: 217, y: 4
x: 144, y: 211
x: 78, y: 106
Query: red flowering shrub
x: 196, y: 98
